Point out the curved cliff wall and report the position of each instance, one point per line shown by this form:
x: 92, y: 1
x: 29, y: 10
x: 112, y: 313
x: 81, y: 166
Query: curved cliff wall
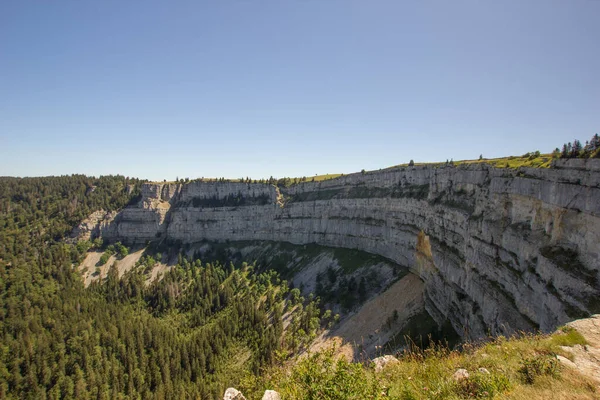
x: 499, y: 250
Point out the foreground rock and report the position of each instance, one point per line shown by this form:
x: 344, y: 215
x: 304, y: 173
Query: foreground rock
x: 233, y: 394
x: 381, y: 362
x: 460, y: 375
x: 271, y: 395
x: 586, y: 359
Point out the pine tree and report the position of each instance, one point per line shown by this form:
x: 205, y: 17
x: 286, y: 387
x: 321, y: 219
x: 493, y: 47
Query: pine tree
x: 595, y: 142
x: 556, y: 153
x: 576, y: 149
x: 565, y: 151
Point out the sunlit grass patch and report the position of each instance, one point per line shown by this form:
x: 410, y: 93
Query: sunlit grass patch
x: 567, y: 336
x: 523, y: 367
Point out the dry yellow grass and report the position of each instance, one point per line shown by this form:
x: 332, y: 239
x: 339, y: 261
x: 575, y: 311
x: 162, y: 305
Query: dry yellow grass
x: 522, y: 368
x: 532, y: 160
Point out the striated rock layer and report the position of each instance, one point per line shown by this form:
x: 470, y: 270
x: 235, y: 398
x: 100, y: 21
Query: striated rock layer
x: 499, y: 250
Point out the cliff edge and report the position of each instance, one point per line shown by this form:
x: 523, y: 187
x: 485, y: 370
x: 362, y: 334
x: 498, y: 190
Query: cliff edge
x: 499, y: 250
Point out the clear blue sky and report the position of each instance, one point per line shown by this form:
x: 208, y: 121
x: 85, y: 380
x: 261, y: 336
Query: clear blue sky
x: 165, y: 89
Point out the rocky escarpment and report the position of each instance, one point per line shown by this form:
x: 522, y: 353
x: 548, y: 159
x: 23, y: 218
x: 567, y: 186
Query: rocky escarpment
x: 499, y: 250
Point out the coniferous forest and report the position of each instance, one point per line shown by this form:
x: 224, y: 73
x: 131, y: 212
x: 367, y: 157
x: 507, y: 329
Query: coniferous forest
x: 203, y: 326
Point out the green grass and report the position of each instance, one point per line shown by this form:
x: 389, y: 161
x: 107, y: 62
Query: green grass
x: 541, y: 161
x: 513, y: 162
x: 567, y: 336
x: 325, y: 177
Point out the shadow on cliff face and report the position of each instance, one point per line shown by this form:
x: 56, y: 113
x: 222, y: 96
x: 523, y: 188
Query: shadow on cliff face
x: 388, y: 322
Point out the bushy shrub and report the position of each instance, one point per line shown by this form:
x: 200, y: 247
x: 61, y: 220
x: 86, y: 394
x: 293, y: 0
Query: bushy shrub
x: 322, y: 376
x: 538, y: 365
x: 121, y: 249
x: 103, y: 259
x: 481, y: 385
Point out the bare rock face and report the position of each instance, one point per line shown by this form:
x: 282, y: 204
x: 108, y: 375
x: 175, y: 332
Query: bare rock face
x: 97, y: 224
x: 499, y: 250
x: 233, y: 394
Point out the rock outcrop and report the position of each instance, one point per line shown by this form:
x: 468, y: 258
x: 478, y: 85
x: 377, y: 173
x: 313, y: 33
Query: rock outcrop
x: 499, y: 250
x: 460, y: 375
x: 586, y: 358
x: 96, y: 223
x: 271, y: 395
x: 233, y: 394
x: 381, y: 362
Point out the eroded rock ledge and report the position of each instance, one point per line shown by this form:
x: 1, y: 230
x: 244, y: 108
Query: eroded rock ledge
x: 499, y: 250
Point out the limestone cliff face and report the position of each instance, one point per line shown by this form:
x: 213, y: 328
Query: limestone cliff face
x: 499, y: 250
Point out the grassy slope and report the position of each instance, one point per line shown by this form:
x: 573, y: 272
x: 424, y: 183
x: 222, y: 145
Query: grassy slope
x: 325, y: 177
x: 533, y: 161
x: 541, y: 161
x: 519, y: 368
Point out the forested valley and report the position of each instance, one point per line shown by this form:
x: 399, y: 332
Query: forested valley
x: 203, y: 326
